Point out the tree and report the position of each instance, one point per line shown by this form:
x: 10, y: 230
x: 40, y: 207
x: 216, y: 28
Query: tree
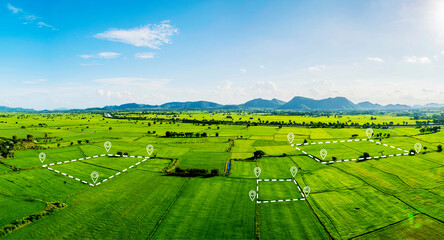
x: 58, y: 144
x: 217, y: 134
x: 439, y: 148
x: 258, y: 154
x: 110, y: 128
x: 364, y: 156
x: 214, y: 172
x: 305, y: 141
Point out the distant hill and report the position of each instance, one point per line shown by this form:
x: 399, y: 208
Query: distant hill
x: 191, y: 105
x: 263, y: 103
x: 301, y: 103
x: 369, y: 105
x: 396, y: 107
x: 9, y: 109
x: 297, y: 103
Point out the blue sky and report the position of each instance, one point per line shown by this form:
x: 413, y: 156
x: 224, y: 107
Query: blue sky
x: 79, y: 54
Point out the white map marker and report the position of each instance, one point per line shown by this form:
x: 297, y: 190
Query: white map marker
x: 257, y: 171
x: 290, y: 137
x: 252, y: 195
x: 107, y: 146
x: 306, y: 190
x: 294, y: 170
x: 418, y: 147
x: 323, y: 153
x: 42, y: 157
x: 94, y: 176
x: 149, y: 149
x: 369, y: 132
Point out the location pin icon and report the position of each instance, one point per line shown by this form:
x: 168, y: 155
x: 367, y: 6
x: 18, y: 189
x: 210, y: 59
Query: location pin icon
x: 252, y: 195
x: 149, y: 149
x: 418, y: 147
x: 290, y: 137
x: 294, y: 170
x: 257, y: 171
x: 323, y: 153
x: 369, y: 132
x: 306, y: 191
x: 107, y: 146
x: 94, y: 176
x: 42, y: 157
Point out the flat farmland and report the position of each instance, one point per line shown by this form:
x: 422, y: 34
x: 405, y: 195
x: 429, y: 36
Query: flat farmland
x: 391, y: 197
x: 350, y: 150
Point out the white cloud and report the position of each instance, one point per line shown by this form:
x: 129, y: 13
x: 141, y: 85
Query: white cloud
x: 29, y: 18
x: 101, y: 92
x: 375, y: 59
x: 415, y: 59
x: 317, y: 68
x: 133, y: 81
x: 108, y: 55
x: 151, y: 35
x: 262, y: 66
x: 144, y: 55
x: 243, y: 70
x: 14, y: 9
x: 442, y: 52
x: 35, y: 81
x: 85, y: 56
x: 43, y: 24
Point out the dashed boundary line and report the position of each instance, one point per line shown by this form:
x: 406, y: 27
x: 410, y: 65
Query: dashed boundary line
x: 47, y: 166
x: 281, y: 200
x: 351, y: 159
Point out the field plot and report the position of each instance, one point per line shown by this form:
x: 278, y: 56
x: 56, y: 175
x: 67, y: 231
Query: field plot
x: 292, y: 220
x: 39, y: 183
x: 13, y: 208
x: 107, y: 167
x: 417, y: 226
x: 202, y: 210
x: 349, y: 213
x: 349, y: 150
x: 127, y: 208
x: 278, y: 190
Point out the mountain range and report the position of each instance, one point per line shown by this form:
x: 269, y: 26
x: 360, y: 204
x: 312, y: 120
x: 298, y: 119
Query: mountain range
x: 296, y: 104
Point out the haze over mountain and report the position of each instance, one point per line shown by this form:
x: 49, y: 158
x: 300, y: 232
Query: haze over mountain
x: 297, y: 104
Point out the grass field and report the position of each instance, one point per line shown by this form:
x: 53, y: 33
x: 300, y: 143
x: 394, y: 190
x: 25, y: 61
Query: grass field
x: 392, y: 198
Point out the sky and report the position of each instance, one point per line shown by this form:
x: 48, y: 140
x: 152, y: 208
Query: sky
x: 80, y: 54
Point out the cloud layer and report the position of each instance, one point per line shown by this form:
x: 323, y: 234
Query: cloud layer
x: 150, y: 36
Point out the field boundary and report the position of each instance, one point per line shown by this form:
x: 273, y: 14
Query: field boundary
x: 280, y: 200
x: 47, y: 166
x: 351, y: 159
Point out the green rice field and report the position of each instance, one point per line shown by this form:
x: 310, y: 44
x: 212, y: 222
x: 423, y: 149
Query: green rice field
x: 198, y: 187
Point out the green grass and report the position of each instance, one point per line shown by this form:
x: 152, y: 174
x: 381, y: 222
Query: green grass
x: 242, y: 169
x: 349, y: 213
x: 4, y: 168
x: 415, y: 227
x: 349, y: 198
x: 39, y: 183
x: 129, y: 207
x: 275, y: 167
x: 330, y: 179
x: 196, y: 216
x: 278, y: 191
x: 349, y: 150
x: 289, y: 220
x: 13, y: 208
x: 206, y: 160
